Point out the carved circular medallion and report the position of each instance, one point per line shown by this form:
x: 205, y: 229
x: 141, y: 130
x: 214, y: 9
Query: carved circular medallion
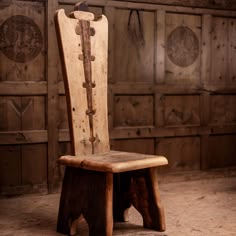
x: 182, y: 46
x: 20, y: 38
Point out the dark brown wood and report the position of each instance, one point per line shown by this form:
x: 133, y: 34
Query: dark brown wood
x: 23, y: 97
x: 139, y: 188
x: 52, y: 75
x: 80, y: 200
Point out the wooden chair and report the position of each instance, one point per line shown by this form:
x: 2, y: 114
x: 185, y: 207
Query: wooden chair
x: 99, y: 184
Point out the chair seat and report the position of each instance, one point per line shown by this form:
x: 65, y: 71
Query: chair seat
x: 113, y: 161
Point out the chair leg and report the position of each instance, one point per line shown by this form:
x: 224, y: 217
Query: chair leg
x: 145, y: 197
x: 88, y: 193
x: 67, y: 211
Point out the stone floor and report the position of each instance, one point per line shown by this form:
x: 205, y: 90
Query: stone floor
x: 196, y: 204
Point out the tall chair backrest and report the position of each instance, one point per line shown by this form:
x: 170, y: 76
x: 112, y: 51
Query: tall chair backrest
x: 84, y: 51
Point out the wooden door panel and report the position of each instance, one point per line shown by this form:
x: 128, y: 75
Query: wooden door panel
x: 182, y: 110
x: 34, y: 164
x: 133, y: 46
x: 10, y: 165
x: 223, y: 109
x: 219, y: 50
x: 183, y: 153
x: 133, y: 110
x: 23, y: 107
x: 22, y: 42
x: 232, y: 50
x: 10, y: 119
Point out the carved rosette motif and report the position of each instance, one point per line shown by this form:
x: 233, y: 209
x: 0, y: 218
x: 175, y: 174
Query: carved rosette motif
x: 20, y: 39
x: 182, y: 46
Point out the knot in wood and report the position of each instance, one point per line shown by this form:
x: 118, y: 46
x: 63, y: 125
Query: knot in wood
x: 91, y: 112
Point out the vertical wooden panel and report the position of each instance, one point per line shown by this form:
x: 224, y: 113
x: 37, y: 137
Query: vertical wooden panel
x: 53, y: 64
x: 133, y: 56
x: 22, y: 64
x: 160, y: 47
x: 183, y: 153
x: 33, y: 112
x: 10, y: 165
x: 145, y: 146
x: 222, y: 109
x: 34, y: 164
x: 23, y: 23
x: 182, y: 110
x: 159, y: 112
x: 10, y: 115
x: 63, y: 115
x: 206, y: 49
x: 219, y: 51
x: 133, y: 110
x: 232, y: 51
x: 183, y: 40
x: 110, y: 14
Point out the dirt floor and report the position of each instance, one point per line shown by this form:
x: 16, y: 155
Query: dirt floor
x: 196, y: 204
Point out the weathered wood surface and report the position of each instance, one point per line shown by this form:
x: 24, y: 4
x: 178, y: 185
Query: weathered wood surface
x: 114, y: 161
x: 77, y: 93
x: 98, y: 213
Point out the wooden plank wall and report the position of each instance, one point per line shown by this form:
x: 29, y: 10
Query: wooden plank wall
x: 172, y: 86
x: 23, y: 100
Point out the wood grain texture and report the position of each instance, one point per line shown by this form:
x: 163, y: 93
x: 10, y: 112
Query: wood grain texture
x: 74, y: 73
x: 52, y: 119
x: 23, y: 91
x: 114, y: 161
x: 74, y: 204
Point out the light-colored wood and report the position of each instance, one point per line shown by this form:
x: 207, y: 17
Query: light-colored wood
x: 114, y: 161
x: 77, y: 93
